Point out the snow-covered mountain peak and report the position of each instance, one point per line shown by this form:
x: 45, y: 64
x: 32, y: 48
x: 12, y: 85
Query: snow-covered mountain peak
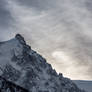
x: 26, y: 68
x: 14, y: 47
x: 8, y: 48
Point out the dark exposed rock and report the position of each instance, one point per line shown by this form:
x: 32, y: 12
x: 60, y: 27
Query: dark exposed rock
x: 11, y: 73
x: 20, y: 38
x: 6, y: 86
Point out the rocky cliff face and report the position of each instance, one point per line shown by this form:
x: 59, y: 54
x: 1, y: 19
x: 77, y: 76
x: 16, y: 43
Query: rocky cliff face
x: 6, y: 86
x: 25, y: 67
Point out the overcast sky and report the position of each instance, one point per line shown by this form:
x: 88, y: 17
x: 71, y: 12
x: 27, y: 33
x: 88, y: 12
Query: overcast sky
x: 60, y: 30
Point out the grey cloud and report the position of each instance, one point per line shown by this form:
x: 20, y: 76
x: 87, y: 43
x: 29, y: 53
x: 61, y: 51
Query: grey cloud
x: 88, y: 4
x: 39, y: 5
x: 63, y: 29
x: 6, y: 21
x: 5, y: 16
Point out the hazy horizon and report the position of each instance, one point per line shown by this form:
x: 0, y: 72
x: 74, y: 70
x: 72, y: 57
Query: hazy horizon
x: 59, y: 30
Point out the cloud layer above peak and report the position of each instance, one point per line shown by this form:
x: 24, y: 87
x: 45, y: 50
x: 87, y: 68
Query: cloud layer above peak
x: 60, y: 30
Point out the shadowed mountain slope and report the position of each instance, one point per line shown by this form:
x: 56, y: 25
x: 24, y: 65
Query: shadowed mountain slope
x: 26, y: 68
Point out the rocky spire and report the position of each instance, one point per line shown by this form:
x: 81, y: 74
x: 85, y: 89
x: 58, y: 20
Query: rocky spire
x: 20, y: 38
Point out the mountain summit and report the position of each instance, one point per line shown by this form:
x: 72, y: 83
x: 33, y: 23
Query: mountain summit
x: 25, y: 67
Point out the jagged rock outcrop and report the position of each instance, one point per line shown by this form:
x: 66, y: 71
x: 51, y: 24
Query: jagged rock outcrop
x: 6, y: 86
x: 26, y: 68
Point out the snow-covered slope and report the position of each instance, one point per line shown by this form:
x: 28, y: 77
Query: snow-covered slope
x: 87, y: 85
x: 23, y: 66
